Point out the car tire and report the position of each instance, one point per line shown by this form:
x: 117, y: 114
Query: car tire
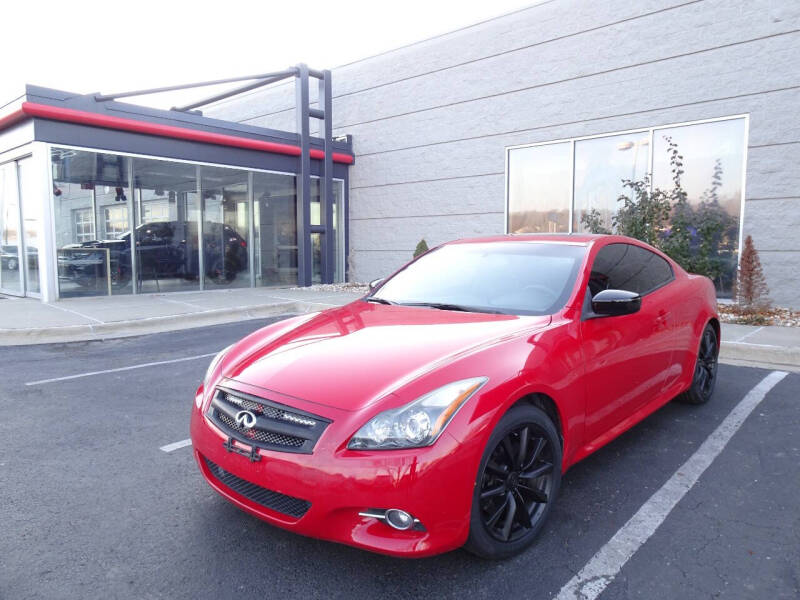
x: 506, y: 483
x: 704, y: 378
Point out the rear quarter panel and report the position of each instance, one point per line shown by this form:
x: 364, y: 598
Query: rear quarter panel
x: 698, y: 306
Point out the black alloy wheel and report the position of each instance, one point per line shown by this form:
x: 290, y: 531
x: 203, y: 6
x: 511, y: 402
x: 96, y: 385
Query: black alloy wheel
x: 705, y: 370
x: 516, y: 485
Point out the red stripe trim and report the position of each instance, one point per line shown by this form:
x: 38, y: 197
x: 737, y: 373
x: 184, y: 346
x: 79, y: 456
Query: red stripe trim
x: 12, y: 118
x: 337, y: 156
x: 70, y: 115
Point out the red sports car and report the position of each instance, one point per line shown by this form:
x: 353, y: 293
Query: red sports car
x: 441, y: 409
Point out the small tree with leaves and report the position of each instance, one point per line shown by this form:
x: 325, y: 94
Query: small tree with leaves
x: 593, y: 221
x: 677, y: 242
x: 643, y: 213
x: 422, y: 248
x: 716, y: 234
x: 751, y: 291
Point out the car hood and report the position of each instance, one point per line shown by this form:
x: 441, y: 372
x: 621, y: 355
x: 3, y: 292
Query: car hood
x: 351, y: 356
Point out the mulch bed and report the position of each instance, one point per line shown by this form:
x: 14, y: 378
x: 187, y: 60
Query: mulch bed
x: 733, y: 313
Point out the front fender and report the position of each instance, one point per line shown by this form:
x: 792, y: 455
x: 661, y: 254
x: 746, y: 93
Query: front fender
x: 548, y: 363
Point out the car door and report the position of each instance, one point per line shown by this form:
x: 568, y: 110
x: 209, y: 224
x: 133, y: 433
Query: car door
x: 627, y: 357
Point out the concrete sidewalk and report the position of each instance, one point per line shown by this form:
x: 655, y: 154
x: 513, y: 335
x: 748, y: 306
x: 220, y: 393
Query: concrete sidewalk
x: 29, y: 321
x: 770, y: 347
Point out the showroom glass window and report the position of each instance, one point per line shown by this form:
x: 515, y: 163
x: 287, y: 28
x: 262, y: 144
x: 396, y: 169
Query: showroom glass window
x: 167, y: 213
x: 91, y: 199
x: 713, y: 154
x: 539, y: 188
x: 713, y: 173
x: 10, y: 238
x: 226, y: 224
x: 100, y: 198
x: 275, y: 215
x: 601, y: 165
x: 31, y: 206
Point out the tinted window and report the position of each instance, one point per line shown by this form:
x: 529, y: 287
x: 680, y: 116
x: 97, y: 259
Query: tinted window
x: 628, y: 267
x: 524, y: 278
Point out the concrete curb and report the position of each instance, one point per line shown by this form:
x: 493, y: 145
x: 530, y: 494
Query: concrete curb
x: 118, y: 329
x: 760, y: 355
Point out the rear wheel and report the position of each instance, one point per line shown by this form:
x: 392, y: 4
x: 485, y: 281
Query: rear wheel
x: 705, y: 369
x: 517, y: 483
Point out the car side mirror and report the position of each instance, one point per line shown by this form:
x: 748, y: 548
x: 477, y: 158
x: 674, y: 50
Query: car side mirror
x: 375, y: 283
x: 611, y: 303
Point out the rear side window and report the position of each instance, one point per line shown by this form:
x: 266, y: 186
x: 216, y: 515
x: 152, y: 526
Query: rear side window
x: 628, y: 267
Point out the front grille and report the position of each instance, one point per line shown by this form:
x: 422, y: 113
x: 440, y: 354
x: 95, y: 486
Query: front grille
x: 287, y: 505
x: 268, y: 411
x: 266, y: 437
x: 276, y: 427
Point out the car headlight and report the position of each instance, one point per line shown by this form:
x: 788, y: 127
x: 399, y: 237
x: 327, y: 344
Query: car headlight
x: 418, y: 423
x: 214, y: 362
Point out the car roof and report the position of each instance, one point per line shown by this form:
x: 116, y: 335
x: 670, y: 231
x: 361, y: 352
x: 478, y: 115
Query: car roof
x: 554, y: 238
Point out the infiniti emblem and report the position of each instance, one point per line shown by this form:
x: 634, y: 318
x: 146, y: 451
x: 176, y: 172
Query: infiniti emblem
x: 246, y: 419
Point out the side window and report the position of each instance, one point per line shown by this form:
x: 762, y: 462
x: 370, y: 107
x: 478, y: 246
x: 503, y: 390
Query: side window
x: 628, y: 267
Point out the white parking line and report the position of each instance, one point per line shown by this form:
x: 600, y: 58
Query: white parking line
x: 118, y: 369
x: 751, y: 344
x: 306, y: 301
x: 748, y: 334
x: 595, y: 576
x: 176, y: 445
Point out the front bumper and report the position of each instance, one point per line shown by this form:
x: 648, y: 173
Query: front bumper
x: 434, y: 484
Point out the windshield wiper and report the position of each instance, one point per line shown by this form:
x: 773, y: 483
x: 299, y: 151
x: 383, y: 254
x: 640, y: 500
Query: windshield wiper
x: 458, y: 307
x: 378, y: 300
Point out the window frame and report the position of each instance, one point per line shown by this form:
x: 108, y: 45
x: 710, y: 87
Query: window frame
x: 651, y: 131
x: 78, y: 222
x: 109, y: 220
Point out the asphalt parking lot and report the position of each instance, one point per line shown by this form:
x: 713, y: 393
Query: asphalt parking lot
x: 91, y: 507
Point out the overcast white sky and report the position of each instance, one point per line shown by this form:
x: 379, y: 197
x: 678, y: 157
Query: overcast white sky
x: 88, y: 46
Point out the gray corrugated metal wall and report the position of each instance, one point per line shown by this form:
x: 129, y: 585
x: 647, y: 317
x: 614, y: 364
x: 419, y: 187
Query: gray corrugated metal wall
x: 430, y: 121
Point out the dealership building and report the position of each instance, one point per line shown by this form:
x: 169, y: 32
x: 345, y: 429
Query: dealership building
x: 527, y: 122
x: 211, y: 204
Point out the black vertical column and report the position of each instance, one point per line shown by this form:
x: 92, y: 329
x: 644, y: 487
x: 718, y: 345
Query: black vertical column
x: 304, y: 275
x: 326, y: 181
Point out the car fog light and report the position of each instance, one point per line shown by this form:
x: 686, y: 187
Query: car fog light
x: 394, y: 518
x: 399, y: 519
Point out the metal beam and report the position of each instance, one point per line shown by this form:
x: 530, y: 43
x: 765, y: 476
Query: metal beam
x: 171, y: 88
x: 229, y: 93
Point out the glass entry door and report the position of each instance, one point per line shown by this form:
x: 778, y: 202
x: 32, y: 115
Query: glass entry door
x: 335, y: 232
x: 11, y: 264
x: 31, y: 219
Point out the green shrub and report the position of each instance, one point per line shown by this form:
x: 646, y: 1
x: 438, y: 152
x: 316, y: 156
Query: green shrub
x: 421, y: 248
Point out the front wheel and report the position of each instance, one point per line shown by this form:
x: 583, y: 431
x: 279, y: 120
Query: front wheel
x: 517, y: 484
x: 705, y: 370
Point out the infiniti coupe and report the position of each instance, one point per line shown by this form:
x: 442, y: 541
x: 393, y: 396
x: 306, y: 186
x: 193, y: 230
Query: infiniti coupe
x: 442, y: 408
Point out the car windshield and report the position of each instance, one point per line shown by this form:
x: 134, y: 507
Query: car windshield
x: 522, y: 278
